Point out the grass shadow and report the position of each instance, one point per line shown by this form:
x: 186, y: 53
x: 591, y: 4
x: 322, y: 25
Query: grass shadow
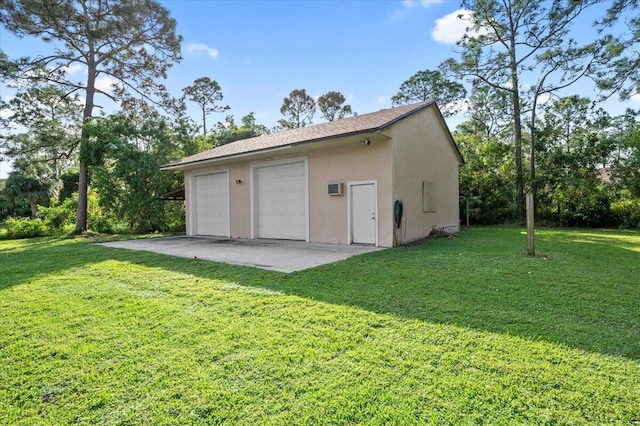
x: 582, y: 293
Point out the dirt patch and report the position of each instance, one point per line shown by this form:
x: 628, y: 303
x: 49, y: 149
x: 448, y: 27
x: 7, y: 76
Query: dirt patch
x: 434, y: 234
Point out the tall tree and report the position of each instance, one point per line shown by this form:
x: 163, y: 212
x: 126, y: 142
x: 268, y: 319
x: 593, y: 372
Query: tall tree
x: 132, y: 42
x: 332, y: 106
x: 207, y: 94
x: 619, y: 72
x: 565, y: 120
x: 51, y: 122
x: 513, y: 38
x: 432, y: 85
x: 298, y: 109
x: 489, y: 112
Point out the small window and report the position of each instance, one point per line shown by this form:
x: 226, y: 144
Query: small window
x: 429, y: 200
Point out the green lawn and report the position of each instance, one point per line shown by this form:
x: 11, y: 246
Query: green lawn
x: 457, y: 331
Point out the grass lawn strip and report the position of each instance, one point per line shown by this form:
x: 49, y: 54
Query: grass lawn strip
x: 406, y: 336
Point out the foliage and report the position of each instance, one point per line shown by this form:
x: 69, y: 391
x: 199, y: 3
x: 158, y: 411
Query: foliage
x: 58, y: 219
x: 488, y: 112
x: 94, y: 335
x: 229, y: 131
x: 52, y: 122
x: 626, y: 213
x: 511, y: 39
x: 131, y: 41
x: 624, y: 157
x: 485, y: 177
x: 128, y: 152
x: 69, y: 181
x: 587, y: 160
x: 618, y: 72
x: 298, y: 110
x: 25, y: 228
x: 29, y: 184
x: 332, y: 106
x: 432, y: 85
x: 207, y: 94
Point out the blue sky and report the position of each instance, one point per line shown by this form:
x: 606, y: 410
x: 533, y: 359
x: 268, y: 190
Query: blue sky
x: 259, y: 51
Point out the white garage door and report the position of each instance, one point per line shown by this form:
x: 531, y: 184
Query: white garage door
x: 281, y: 201
x: 211, y: 204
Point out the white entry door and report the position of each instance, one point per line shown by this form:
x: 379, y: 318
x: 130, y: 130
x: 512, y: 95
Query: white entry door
x: 281, y: 201
x: 363, y: 221
x: 211, y: 199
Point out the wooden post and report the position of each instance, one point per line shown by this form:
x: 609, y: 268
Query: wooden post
x: 467, y: 198
x: 531, y: 245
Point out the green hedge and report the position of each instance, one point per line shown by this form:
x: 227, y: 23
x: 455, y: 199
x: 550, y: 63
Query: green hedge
x: 26, y: 228
x: 626, y: 213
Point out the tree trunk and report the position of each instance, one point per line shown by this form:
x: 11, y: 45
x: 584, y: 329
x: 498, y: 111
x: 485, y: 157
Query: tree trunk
x: 532, y: 151
x: 83, y: 175
x: 517, y: 131
x: 204, y: 122
x: 34, y: 208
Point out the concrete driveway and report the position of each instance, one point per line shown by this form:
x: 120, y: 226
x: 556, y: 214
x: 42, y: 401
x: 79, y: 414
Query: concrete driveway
x: 275, y: 255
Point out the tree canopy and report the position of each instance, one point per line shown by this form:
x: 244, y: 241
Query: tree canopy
x: 207, y: 94
x: 432, y: 85
x: 511, y: 38
x: 297, y: 109
x: 332, y: 106
x: 131, y: 42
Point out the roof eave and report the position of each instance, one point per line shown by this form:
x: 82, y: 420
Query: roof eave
x: 182, y: 166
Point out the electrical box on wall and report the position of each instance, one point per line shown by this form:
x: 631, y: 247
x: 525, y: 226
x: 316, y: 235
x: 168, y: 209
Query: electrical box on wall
x: 335, y: 188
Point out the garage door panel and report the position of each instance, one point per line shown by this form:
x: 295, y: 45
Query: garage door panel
x: 212, y: 204
x: 281, y: 201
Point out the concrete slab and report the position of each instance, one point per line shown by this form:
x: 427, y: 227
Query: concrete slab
x: 274, y: 255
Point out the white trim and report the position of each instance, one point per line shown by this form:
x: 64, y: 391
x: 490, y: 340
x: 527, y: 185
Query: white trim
x: 375, y: 201
x: 281, y: 162
x: 191, y: 211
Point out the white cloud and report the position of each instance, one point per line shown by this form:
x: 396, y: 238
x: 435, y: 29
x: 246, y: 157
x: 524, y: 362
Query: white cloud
x: 199, y: 49
x: 635, y: 98
x: 544, y: 98
x: 382, y: 99
x: 424, y: 3
x: 105, y: 83
x: 6, y: 113
x: 452, y: 27
x: 73, y: 69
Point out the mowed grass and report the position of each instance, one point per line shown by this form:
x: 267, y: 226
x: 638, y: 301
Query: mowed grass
x: 459, y: 331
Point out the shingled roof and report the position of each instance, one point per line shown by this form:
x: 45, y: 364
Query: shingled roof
x: 347, y: 126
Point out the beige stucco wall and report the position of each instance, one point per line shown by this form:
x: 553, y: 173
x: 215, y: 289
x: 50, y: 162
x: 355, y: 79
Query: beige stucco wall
x: 240, y: 200
x: 413, y: 150
x: 328, y: 215
x: 423, y: 152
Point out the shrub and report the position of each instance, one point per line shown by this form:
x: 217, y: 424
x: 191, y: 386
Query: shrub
x: 26, y: 228
x: 626, y: 213
x: 59, y: 218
